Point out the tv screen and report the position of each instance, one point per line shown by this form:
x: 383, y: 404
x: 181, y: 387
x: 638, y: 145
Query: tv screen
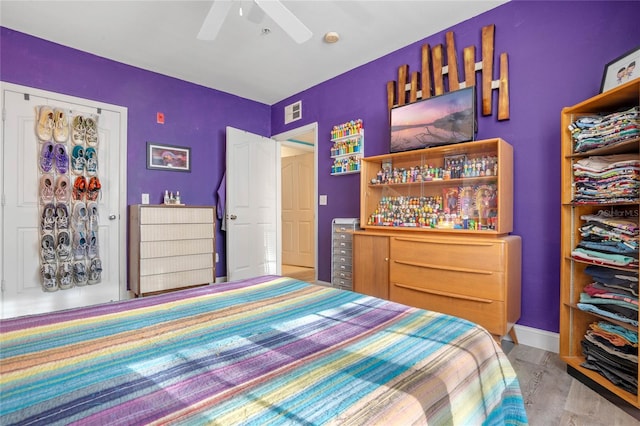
x: 439, y: 120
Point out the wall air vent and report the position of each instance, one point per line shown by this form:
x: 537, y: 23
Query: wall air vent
x: 293, y: 112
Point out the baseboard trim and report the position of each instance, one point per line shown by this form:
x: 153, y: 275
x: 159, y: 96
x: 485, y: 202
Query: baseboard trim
x: 534, y: 337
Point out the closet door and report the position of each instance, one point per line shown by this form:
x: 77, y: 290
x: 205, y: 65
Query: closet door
x: 22, y: 282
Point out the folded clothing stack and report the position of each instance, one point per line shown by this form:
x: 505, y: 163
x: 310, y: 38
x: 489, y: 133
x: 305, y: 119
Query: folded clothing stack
x: 607, y: 179
x: 612, y: 294
x: 612, y: 351
x: 598, y: 131
x: 608, y: 240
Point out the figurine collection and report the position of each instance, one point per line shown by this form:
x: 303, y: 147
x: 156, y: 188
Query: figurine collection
x: 347, y: 146
x: 468, y: 206
x: 454, y: 169
x: 349, y: 128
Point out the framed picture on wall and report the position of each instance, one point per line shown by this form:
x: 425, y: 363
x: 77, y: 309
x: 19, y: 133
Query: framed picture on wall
x: 621, y: 70
x: 168, y: 157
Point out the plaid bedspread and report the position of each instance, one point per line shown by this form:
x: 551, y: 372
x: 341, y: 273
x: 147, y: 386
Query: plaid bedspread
x: 268, y: 350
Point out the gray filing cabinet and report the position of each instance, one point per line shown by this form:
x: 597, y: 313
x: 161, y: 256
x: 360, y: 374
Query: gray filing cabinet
x: 341, y: 258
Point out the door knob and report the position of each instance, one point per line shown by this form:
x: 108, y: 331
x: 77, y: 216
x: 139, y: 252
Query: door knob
x: 233, y: 217
x: 112, y: 217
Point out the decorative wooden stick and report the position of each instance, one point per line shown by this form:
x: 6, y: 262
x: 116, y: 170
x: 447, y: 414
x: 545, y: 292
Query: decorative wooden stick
x: 469, y: 66
x: 413, y: 92
x: 452, y: 62
x: 438, y: 84
x: 403, y: 71
x: 425, y: 85
x: 487, y: 67
x: 391, y: 91
x: 503, y: 88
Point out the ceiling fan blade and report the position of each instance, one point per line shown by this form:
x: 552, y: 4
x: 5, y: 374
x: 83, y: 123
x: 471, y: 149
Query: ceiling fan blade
x: 286, y: 20
x: 214, y: 19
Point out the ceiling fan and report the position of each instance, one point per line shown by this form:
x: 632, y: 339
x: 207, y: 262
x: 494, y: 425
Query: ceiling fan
x: 273, y: 8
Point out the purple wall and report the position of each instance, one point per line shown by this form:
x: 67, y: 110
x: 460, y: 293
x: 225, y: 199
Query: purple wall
x: 195, y: 116
x: 557, y: 52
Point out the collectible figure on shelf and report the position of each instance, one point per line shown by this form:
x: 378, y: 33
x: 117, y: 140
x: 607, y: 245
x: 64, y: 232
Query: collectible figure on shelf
x: 450, y: 200
x: 486, y: 202
x: 465, y: 202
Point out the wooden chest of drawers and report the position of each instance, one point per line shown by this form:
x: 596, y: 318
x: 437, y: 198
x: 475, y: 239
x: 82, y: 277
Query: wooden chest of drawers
x: 472, y: 278
x: 170, y: 247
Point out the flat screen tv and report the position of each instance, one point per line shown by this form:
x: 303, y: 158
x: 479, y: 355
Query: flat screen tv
x: 440, y: 120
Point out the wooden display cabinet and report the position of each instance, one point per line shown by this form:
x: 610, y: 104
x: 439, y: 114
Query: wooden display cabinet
x: 574, y: 322
x: 422, y: 248
x: 462, y: 188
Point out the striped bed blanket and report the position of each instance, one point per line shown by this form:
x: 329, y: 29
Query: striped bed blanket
x: 268, y: 350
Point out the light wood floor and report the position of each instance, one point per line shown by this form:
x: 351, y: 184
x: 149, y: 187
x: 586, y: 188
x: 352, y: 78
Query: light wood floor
x: 299, y: 272
x: 553, y: 397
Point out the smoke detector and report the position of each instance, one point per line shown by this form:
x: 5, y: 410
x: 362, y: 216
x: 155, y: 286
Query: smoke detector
x: 331, y: 37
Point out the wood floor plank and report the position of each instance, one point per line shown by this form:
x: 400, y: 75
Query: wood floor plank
x: 553, y: 397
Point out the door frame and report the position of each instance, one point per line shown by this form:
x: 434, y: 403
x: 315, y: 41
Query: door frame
x: 282, y: 139
x: 122, y: 174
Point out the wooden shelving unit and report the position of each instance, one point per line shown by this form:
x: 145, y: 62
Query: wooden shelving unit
x: 575, y: 322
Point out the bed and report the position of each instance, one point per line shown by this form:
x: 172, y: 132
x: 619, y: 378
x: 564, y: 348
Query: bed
x: 268, y: 350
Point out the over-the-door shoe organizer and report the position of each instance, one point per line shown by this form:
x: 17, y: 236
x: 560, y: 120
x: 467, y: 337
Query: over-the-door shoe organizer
x: 69, y: 191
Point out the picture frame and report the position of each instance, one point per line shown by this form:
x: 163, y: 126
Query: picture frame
x: 168, y: 157
x: 621, y: 70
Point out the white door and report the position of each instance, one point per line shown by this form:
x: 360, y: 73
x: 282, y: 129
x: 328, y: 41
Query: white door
x: 298, y: 210
x: 252, y: 201
x: 22, y: 291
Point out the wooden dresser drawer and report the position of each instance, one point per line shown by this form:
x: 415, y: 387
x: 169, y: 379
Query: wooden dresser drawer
x: 176, y: 232
x: 161, y: 215
x: 454, y: 252
x: 151, y: 249
x: 153, y: 283
x: 488, y: 313
x: 482, y: 283
x: 165, y: 265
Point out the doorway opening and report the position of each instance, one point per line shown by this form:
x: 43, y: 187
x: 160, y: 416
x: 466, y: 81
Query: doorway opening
x: 298, y: 220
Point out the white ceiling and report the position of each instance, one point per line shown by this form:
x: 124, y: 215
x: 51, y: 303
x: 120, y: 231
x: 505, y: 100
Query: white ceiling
x: 161, y: 36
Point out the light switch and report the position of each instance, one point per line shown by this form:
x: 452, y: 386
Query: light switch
x: 145, y: 198
x: 323, y: 200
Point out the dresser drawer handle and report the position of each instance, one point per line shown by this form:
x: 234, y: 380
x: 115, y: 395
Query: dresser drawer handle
x: 444, y: 268
x: 442, y: 293
x: 450, y: 243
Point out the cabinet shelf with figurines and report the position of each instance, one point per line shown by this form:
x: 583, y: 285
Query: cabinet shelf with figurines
x: 462, y: 188
x: 348, y: 147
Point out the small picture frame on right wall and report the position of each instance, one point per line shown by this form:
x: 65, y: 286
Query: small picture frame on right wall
x: 621, y: 70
